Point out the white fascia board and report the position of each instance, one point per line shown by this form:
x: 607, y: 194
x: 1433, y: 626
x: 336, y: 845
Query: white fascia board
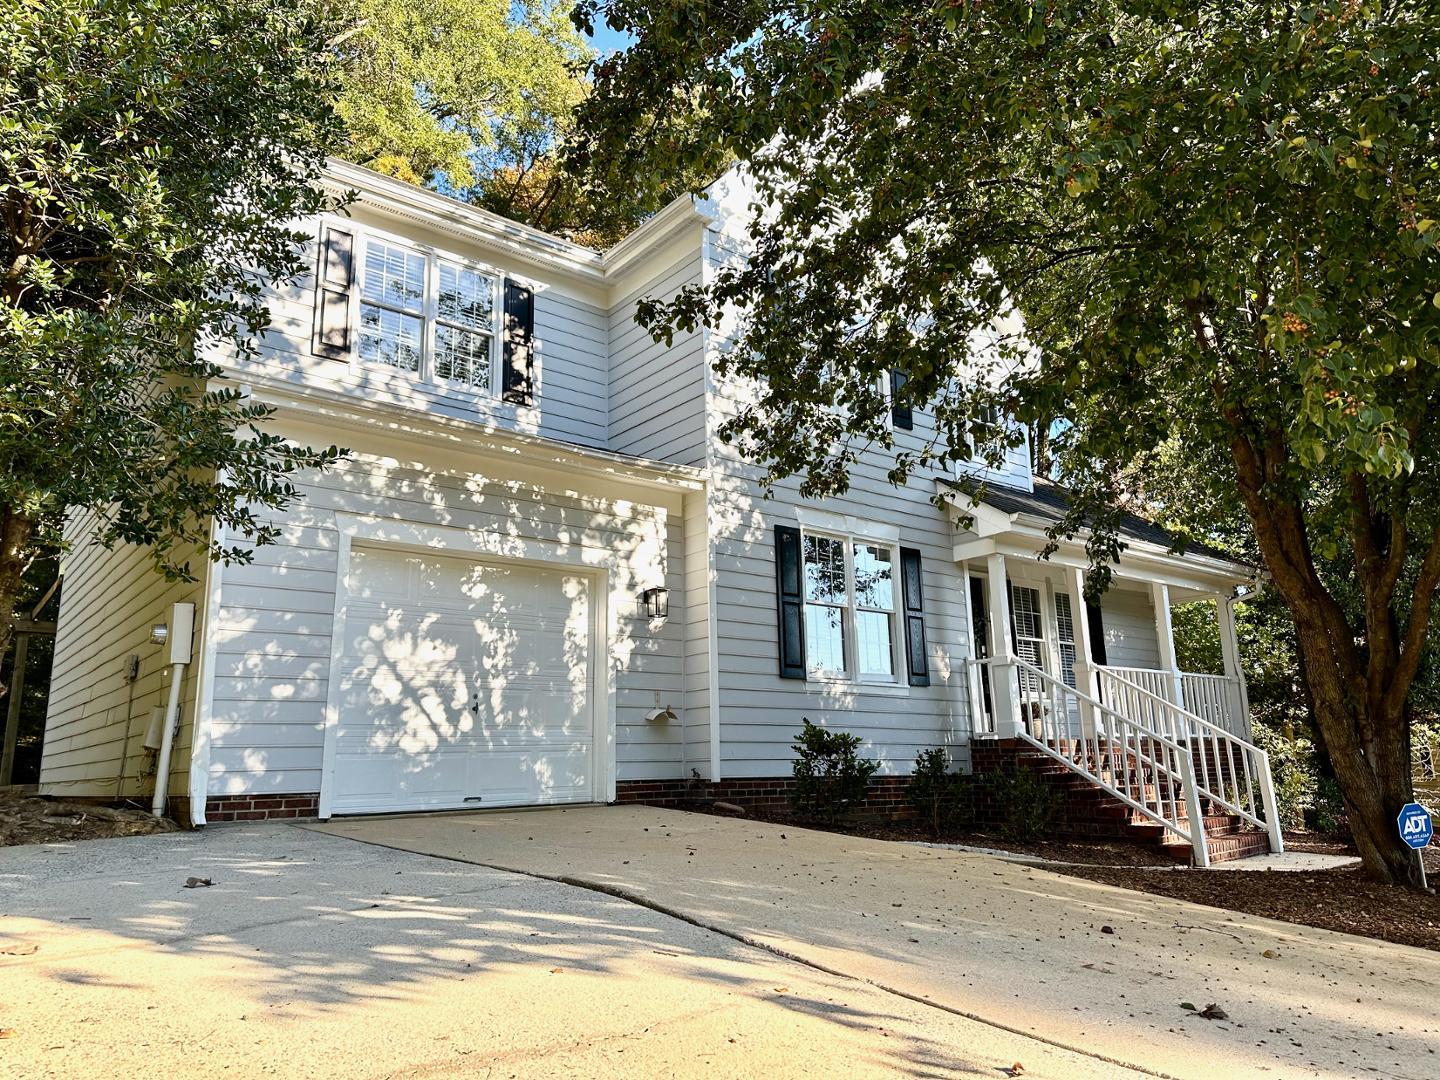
x: 343, y: 411
x: 543, y: 250
x: 455, y: 218
x: 681, y: 215
x: 1024, y: 536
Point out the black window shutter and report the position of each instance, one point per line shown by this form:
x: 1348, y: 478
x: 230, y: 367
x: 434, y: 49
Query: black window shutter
x: 901, y: 416
x: 789, y: 593
x: 913, y: 583
x: 1097, y: 632
x: 333, y: 280
x: 516, y: 378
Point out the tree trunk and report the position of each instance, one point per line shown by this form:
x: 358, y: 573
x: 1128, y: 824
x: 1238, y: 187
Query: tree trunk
x: 1363, y: 724
x: 16, y: 531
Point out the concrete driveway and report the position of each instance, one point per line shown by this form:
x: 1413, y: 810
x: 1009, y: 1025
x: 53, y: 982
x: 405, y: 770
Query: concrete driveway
x: 1100, y: 970
x: 313, y: 955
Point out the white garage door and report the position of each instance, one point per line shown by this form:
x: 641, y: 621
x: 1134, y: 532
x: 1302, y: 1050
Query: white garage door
x: 463, y: 684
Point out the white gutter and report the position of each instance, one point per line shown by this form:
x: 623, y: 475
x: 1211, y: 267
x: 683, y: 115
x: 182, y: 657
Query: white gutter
x: 471, y: 436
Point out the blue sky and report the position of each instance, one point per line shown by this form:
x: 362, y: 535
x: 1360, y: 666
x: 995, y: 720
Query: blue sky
x: 607, y: 40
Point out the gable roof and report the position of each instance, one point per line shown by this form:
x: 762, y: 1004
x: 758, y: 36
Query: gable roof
x: 1050, y: 502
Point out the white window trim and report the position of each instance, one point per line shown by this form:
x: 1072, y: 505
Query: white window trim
x: 429, y: 314
x: 813, y: 523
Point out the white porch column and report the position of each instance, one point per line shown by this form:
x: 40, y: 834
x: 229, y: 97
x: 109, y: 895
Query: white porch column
x: 1004, y: 685
x: 1160, y: 597
x: 1230, y: 653
x: 1085, y: 677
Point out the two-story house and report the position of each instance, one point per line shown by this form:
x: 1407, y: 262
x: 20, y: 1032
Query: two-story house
x: 540, y: 577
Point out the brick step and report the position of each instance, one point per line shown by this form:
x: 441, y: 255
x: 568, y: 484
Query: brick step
x: 1090, y: 811
x: 1224, y: 848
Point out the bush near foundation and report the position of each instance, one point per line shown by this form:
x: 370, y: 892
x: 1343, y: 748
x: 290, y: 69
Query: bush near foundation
x: 831, y: 778
x: 944, y: 800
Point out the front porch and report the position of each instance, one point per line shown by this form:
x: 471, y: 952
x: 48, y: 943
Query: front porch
x: 1092, y: 696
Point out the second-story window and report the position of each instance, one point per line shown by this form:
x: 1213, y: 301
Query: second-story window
x: 426, y: 316
x: 463, y: 326
x: 392, y: 306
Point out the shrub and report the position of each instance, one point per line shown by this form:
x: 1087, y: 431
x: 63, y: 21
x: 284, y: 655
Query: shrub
x: 1024, y: 804
x: 943, y: 799
x: 830, y: 776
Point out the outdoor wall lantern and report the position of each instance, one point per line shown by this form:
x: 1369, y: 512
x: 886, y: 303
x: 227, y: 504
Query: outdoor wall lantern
x: 657, y: 602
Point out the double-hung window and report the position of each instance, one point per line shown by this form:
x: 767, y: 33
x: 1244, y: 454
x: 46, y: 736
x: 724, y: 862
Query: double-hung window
x: 426, y: 316
x: 850, y: 601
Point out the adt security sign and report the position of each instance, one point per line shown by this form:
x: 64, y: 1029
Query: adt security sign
x: 1416, y: 830
x: 1415, y: 827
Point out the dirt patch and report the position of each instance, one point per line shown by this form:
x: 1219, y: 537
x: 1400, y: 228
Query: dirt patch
x: 33, y: 820
x: 1342, y: 899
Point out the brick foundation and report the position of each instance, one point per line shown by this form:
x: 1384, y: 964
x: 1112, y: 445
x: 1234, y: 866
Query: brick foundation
x: 260, y: 807
x: 770, y: 794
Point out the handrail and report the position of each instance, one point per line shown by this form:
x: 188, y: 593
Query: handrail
x: 1148, y: 770
x: 1253, y: 763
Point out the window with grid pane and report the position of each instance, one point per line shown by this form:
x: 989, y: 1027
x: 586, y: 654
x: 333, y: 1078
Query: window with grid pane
x: 392, y: 306
x: 875, y: 610
x: 463, y: 326
x: 826, y: 596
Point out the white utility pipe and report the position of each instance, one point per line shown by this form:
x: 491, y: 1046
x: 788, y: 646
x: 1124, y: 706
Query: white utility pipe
x: 182, y: 631
x: 167, y: 741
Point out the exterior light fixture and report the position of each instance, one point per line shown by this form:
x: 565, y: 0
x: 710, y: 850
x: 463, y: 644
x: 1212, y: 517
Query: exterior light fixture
x: 657, y: 602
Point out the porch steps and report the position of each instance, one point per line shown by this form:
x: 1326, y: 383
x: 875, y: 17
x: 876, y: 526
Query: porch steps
x: 1091, y: 812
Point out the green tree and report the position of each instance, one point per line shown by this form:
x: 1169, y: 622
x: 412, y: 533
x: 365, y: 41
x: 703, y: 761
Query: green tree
x: 1212, y: 221
x: 472, y: 96
x: 151, y: 152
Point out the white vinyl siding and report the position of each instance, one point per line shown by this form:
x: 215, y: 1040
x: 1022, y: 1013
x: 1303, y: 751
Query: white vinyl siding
x: 1131, y: 639
x: 761, y: 712
x: 657, y: 392
x: 96, y: 721
x: 570, y: 362
x: 276, y: 615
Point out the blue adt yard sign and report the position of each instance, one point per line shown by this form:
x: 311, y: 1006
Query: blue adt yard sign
x: 1415, y: 827
x: 1416, y: 830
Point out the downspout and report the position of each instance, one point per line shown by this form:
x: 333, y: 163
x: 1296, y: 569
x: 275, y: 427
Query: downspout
x: 1256, y: 588
x: 182, y: 630
x: 205, y: 686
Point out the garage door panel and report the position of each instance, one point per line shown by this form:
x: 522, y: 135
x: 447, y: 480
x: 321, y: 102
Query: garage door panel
x: 463, y: 684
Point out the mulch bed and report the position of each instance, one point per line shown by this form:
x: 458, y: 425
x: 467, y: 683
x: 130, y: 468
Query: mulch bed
x: 1342, y: 899
x: 1091, y: 853
x: 29, y: 819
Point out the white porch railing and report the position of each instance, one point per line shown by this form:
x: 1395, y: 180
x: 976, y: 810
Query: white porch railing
x: 1216, y: 698
x: 1136, y: 762
x: 1152, y: 679
x: 1229, y: 771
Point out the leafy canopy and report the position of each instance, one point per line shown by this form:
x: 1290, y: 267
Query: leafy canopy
x: 151, y: 154
x: 471, y: 96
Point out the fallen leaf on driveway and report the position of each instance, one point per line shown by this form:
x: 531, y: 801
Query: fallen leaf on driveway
x: 1214, y: 1012
x: 1107, y: 929
x: 198, y: 882
x: 20, y: 948
x: 557, y: 971
x: 1016, y: 1070
x: 7, y: 1033
x: 1190, y: 1005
